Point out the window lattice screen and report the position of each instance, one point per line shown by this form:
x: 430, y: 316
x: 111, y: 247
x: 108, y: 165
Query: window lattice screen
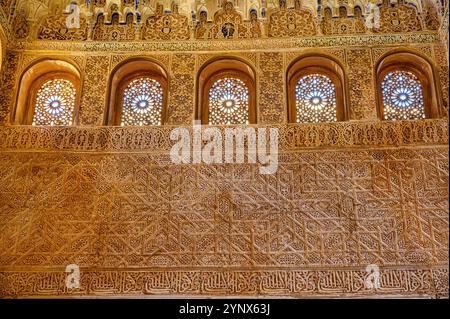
x: 315, y: 96
x: 55, y: 103
x: 142, y: 103
x: 402, y: 96
x: 229, y: 102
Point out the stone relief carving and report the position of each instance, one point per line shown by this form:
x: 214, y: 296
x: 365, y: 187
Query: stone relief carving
x: 171, y: 26
x: 346, y: 194
x: 132, y: 209
x: 228, y: 24
x: 292, y: 22
x: 55, y: 28
x: 399, y: 18
x: 124, y: 23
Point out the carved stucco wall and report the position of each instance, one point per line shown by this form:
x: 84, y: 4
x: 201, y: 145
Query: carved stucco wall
x: 345, y: 195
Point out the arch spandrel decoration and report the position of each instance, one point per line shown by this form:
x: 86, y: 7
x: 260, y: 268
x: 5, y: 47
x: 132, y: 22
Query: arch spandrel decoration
x: 432, y: 18
x: 21, y: 26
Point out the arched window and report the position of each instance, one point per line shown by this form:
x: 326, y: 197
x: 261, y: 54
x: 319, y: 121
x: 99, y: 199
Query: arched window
x: 406, y: 87
x: 55, y: 103
x: 402, y: 96
x: 49, y: 94
x: 226, y: 93
x: 138, y: 94
x: 316, y: 90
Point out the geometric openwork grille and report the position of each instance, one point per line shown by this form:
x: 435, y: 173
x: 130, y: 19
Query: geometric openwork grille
x: 142, y: 103
x: 315, y: 99
x: 402, y: 96
x: 228, y: 102
x: 55, y: 103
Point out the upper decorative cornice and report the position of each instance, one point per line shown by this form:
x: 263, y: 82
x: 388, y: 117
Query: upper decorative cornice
x: 232, y: 45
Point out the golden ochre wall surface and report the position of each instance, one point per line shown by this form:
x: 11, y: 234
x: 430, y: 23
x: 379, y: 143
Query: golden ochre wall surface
x: 109, y: 199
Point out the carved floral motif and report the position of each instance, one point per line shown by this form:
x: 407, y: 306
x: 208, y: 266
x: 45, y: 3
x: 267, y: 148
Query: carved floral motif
x: 166, y: 27
x: 292, y: 23
x: 399, y: 18
x: 55, y: 28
